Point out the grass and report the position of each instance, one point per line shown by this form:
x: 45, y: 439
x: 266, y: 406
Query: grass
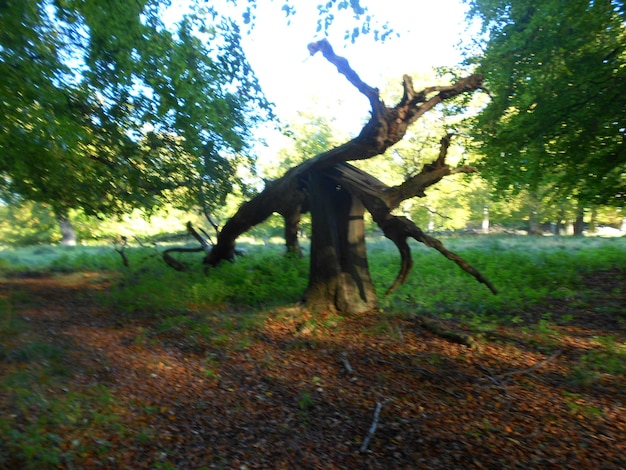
x: 526, y: 270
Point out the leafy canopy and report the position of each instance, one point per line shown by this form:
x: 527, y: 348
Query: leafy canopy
x: 556, y: 70
x: 328, y: 11
x: 104, y: 108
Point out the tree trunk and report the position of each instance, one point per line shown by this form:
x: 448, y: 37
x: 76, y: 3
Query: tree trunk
x: 339, y: 278
x: 579, y: 223
x: 292, y: 227
x: 485, y: 225
x: 593, y: 220
x: 68, y: 234
x: 561, y: 226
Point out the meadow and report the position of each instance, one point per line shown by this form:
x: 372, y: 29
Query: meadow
x: 106, y: 366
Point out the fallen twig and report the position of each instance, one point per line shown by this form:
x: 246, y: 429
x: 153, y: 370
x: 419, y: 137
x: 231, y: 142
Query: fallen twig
x: 437, y: 328
x: 553, y: 356
x: 346, y: 364
x: 372, y: 430
x: 449, y: 392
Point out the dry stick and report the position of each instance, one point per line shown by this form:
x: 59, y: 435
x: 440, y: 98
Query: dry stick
x: 554, y: 355
x: 438, y: 329
x: 372, y: 430
x: 346, y: 364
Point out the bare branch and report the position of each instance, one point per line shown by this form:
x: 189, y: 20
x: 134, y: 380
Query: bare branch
x: 203, y: 243
x: 173, y: 262
x: 380, y: 200
x: 344, y: 68
x: 415, y: 232
x: 431, y: 173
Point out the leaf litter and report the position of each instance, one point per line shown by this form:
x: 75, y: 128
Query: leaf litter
x: 299, y: 390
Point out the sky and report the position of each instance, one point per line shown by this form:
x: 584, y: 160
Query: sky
x: 430, y: 32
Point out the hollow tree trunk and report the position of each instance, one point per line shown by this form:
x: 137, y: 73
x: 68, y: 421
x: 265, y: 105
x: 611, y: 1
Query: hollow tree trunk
x: 339, y: 278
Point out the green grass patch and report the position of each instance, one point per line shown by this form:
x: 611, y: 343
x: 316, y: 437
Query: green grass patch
x: 608, y: 357
x: 526, y: 271
x: 259, y: 280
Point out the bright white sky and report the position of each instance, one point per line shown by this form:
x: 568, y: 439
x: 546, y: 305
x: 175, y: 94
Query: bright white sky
x: 430, y: 34
x: 430, y: 31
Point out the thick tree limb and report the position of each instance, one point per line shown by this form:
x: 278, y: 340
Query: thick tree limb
x: 344, y: 68
x: 173, y: 262
x: 380, y: 199
x: 179, y: 265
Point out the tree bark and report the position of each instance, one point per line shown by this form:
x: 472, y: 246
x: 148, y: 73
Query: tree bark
x: 579, y: 223
x: 339, y: 278
x: 292, y: 228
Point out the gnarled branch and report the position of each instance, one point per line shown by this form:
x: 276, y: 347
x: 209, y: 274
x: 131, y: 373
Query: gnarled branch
x: 380, y: 200
x: 344, y: 68
x: 386, y: 127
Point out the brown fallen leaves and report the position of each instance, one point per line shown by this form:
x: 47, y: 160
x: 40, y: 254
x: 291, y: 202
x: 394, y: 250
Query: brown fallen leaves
x: 301, y: 390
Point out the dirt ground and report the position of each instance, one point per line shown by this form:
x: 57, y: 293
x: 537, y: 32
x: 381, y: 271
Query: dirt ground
x: 369, y: 392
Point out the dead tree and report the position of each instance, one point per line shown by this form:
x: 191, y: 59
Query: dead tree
x: 337, y: 195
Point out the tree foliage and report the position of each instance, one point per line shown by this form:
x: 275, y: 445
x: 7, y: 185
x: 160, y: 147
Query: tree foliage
x: 104, y: 107
x: 556, y: 71
x: 363, y: 23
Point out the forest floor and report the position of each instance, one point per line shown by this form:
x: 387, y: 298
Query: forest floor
x: 85, y: 386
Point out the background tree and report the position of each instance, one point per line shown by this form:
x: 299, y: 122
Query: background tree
x: 104, y: 108
x: 556, y: 71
